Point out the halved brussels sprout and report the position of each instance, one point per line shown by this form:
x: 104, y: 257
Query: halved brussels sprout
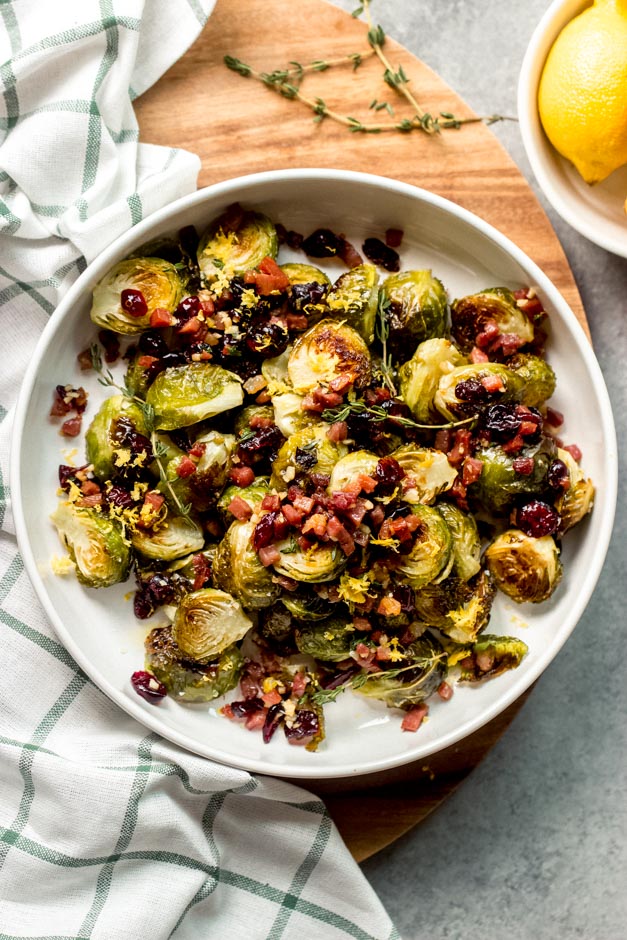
x: 289, y: 415
x: 185, y: 395
x: 466, y: 540
x: 329, y: 640
x: 207, y: 622
x: 328, y: 351
x: 105, y: 436
x: 490, y: 656
x: 499, y: 483
x: 354, y: 298
x: 175, y: 537
x: 460, y: 609
x: 214, y: 464
x: 421, y: 670
x: 275, y: 625
x: 238, y: 571
x: 307, y: 451
x: 431, y: 556
x: 304, y: 273
x: 156, y: 280
x: 276, y: 375
x: 454, y: 406
x: 470, y: 314
x: 307, y: 606
x: 537, y: 375
x: 428, y: 473
x: 201, y: 487
x: 236, y: 242
x: 136, y: 378
x: 524, y: 568
x: 417, y: 310
x: 420, y: 376
x: 189, y: 681
x: 95, y: 544
x: 578, y: 499
x: 348, y: 468
x: 320, y: 563
x: 252, y: 495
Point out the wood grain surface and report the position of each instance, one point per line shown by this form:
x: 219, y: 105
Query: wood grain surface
x: 238, y: 126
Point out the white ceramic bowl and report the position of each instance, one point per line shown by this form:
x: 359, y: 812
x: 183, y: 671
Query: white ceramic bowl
x: 98, y: 627
x: 595, y: 211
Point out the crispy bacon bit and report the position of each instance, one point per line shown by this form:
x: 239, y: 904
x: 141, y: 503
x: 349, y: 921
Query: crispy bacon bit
x: 202, y: 570
x: 478, y: 355
x: 259, y: 421
x: 271, y: 698
x: 361, y: 623
x: 492, y: 383
x: 242, y: 476
x: 574, y: 451
x: 271, y: 502
x: 514, y: 445
x: 296, y: 321
x: 554, y: 419
x: 471, y: 470
x: 461, y: 447
x: 394, y: 237
x: 72, y: 427
x: 488, y: 334
x: 389, y: 607
x: 445, y: 691
x: 185, y: 468
x: 377, y: 515
x: 523, y: 465
x: 337, y: 533
x: 484, y: 661
x: 268, y: 278
x: 299, y: 684
x: 198, y: 449
x: 349, y: 254
x: 84, y: 360
x: 443, y: 440
x: 316, y: 524
x: 294, y: 516
x: 304, y: 503
x: 269, y: 555
x: 415, y: 717
x: 160, y: 318
x: 240, y: 509
x: 89, y: 488
x: 319, y: 400
x: 364, y: 654
x: 90, y: 501
x: 255, y: 384
x: 338, y: 431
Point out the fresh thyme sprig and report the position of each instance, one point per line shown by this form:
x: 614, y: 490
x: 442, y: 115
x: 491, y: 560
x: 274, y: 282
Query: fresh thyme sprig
x: 106, y: 378
x: 382, y: 331
x: 378, y: 414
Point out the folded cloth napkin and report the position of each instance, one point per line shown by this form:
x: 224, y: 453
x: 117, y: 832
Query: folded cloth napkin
x: 107, y: 831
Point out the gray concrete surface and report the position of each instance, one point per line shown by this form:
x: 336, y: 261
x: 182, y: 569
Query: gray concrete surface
x: 533, y: 846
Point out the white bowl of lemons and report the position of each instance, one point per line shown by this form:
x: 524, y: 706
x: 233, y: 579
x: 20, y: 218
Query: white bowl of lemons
x: 572, y: 107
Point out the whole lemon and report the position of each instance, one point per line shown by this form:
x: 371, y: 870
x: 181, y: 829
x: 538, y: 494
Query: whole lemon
x: 583, y: 90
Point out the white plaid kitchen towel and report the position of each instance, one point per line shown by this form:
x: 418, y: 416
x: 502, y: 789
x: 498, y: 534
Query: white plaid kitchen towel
x: 106, y: 831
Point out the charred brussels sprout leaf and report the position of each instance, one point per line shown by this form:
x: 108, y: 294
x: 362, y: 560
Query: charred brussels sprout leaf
x: 499, y: 483
x: 186, y: 680
x: 461, y: 392
x: 328, y: 351
x: 309, y: 450
x: 537, y: 375
x: 207, y: 622
x: 329, y: 640
x: 490, y: 656
x: 420, y: 376
x: 95, y: 543
x: 155, y: 283
x: 411, y: 679
x: 173, y: 537
x: 427, y: 473
x: 238, y: 571
x: 416, y: 309
x: 431, y: 556
x: 460, y: 609
x: 578, y: 499
x: 317, y: 564
x: 525, y: 568
x: 466, y: 541
x: 471, y: 314
x: 184, y: 395
x: 354, y: 298
x: 235, y: 242
x: 306, y: 606
x: 105, y: 440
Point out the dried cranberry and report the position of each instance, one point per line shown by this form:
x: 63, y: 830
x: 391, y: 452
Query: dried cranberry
x: 180, y: 437
x: 161, y: 589
x: 263, y: 533
x: 302, y: 295
x: 134, y: 302
x: 143, y: 607
x: 67, y: 475
x: 388, y: 474
x: 152, y: 343
x: 127, y: 435
x: 558, y: 476
x: 305, y: 726
x: 383, y: 255
x: 267, y: 339
x: 405, y: 595
x: 148, y: 687
x: 537, y: 519
x: 323, y: 243
x: 167, y: 361
x: 471, y: 390
x: 294, y: 240
x: 111, y: 344
x: 119, y: 496
x: 306, y: 457
x: 273, y: 720
x: 189, y: 307
x: 260, y: 444
x: 502, y: 419
x: 246, y: 707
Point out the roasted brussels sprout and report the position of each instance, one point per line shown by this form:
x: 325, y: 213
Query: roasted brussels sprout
x: 173, y: 537
x: 411, y: 679
x: 329, y: 640
x: 348, y: 468
x: 537, y: 375
x: 235, y: 242
x: 466, y: 541
x: 490, y: 656
x: 427, y: 473
x: 416, y: 309
x: 307, y: 451
x: 304, y: 274
x: 136, y: 378
x: 525, y: 568
x: 132, y: 290
x: 578, y: 499
x: 186, y: 680
x: 202, y: 485
x: 95, y: 544
x: 320, y: 563
x: 460, y: 609
x: 328, y: 351
x: 207, y: 622
x: 354, y: 299
x: 289, y: 415
x: 431, y: 556
x: 275, y: 626
x: 461, y: 391
x: 252, y: 495
x: 499, y: 483
x: 106, y: 438
x: 237, y: 569
x: 304, y: 605
x: 276, y: 375
x: 470, y: 315
x: 420, y: 376
x: 185, y: 395
x: 214, y: 464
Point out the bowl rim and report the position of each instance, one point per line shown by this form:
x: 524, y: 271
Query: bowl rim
x: 228, y: 188
x: 534, y: 140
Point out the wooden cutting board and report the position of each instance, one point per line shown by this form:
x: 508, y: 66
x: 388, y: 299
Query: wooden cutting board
x: 238, y: 126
